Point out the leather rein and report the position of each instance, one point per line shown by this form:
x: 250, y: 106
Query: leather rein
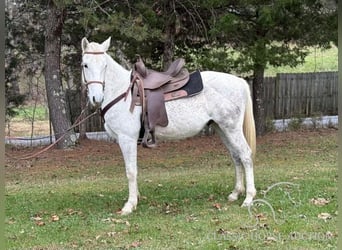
x: 134, y: 78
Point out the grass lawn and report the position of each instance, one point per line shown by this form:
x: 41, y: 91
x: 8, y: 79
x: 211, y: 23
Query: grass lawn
x: 69, y: 199
x: 318, y: 60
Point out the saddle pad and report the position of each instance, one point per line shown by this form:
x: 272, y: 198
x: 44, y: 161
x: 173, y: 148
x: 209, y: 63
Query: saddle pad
x: 191, y: 88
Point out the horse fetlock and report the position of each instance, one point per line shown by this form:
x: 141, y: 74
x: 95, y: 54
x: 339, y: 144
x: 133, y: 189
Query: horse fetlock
x: 251, y: 193
x: 249, y: 198
x: 233, y: 197
x: 247, y: 202
x: 128, y: 208
x: 235, y: 194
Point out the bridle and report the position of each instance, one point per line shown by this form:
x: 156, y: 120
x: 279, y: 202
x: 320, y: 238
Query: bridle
x: 93, y: 81
x: 113, y: 102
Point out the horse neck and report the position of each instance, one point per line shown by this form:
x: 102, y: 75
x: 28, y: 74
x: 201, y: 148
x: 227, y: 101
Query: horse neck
x: 117, y: 80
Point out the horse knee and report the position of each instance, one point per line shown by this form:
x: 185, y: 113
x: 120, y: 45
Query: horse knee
x: 131, y: 174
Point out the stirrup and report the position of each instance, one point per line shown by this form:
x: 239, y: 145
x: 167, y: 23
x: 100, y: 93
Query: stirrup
x: 149, y: 143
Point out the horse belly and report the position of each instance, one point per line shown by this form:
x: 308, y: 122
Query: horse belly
x: 187, y: 117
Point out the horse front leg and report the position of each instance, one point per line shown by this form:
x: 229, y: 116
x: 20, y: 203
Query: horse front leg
x: 129, y: 151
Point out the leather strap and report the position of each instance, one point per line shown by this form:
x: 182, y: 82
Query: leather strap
x: 112, y: 103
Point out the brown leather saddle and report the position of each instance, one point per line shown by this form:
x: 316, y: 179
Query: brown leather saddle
x: 151, y: 89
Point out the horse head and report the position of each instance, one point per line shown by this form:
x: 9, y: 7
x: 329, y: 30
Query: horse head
x: 94, y: 65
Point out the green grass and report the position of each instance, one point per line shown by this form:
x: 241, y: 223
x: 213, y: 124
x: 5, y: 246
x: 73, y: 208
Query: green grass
x: 40, y: 113
x: 183, y: 205
x: 318, y: 60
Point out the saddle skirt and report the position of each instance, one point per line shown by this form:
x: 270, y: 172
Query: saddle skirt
x: 151, y: 89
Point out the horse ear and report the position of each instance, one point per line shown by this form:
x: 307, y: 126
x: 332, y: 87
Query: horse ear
x: 106, y: 44
x: 84, y: 44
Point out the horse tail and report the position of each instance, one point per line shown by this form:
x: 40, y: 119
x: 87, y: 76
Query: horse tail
x: 249, y: 125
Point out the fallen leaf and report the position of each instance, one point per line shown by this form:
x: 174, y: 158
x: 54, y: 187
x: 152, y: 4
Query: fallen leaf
x: 264, y: 225
x: 191, y: 218
x: 217, y: 206
x: 71, y: 211
x: 172, y: 208
x: 270, y: 239
x: 329, y: 234
x: 211, y: 197
x: 142, y: 197
x: 186, y: 200
x: 261, y: 217
x: 319, y: 201
x: 111, y: 234
x: 74, y: 245
x: 324, y: 216
x: 40, y: 223
x: 54, y: 218
x: 37, y: 218
x: 11, y: 221
x: 216, y: 220
x: 136, y: 244
x: 222, y: 231
x: 116, y: 221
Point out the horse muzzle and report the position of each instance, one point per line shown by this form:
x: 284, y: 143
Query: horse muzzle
x: 95, y: 94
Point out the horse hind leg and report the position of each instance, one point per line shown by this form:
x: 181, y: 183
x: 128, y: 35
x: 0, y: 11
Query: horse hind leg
x: 241, y: 154
x: 239, y: 183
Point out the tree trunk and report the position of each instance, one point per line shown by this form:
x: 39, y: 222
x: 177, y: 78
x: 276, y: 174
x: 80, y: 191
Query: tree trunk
x: 54, y: 89
x: 169, y: 44
x: 258, y: 86
x: 258, y: 101
x: 170, y: 33
x: 83, y: 126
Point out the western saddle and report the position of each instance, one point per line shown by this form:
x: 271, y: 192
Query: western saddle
x: 151, y: 89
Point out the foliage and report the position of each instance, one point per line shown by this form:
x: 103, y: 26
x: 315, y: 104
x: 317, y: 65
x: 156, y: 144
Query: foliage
x: 282, y: 29
x: 244, y: 36
x: 23, y: 49
x: 138, y: 27
x: 318, y: 60
x: 27, y: 112
x: 272, y: 33
x: 13, y: 98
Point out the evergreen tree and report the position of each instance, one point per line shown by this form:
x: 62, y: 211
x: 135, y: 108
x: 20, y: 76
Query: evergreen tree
x: 243, y: 36
x: 272, y: 32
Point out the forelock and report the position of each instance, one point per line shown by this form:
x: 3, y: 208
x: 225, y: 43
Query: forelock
x: 94, y: 47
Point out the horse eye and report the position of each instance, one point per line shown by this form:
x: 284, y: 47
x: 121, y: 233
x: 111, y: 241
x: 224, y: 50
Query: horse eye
x: 84, y: 65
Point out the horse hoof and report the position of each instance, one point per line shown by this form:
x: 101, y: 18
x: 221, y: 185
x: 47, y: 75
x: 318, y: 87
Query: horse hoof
x: 124, y: 212
x: 247, y: 203
x: 128, y: 209
x: 232, y: 197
